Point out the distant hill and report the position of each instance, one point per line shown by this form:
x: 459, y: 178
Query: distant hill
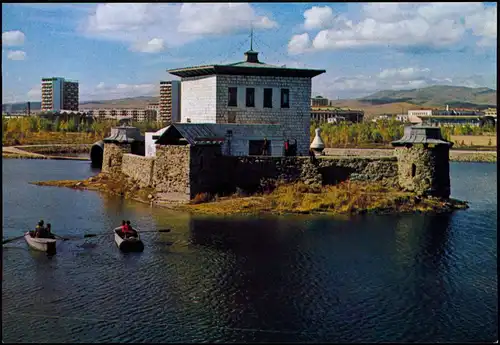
x: 400, y: 101
x: 382, y: 102
x: 438, y: 96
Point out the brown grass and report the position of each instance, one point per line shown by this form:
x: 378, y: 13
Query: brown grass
x: 345, y: 198
x: 47, y: 138
x: 475, y: 140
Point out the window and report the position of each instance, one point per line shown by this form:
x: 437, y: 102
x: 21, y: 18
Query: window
x: 250, y: 97
x: 233, y: 97
x: 413, y: 170
x: 285, y: 98
x: 268, y: 98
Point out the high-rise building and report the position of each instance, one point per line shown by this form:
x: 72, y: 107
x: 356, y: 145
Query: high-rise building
x: 59, y: 94
x: 170, y: 101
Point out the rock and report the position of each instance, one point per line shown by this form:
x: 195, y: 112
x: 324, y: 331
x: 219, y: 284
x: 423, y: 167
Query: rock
x: 78, y: 184
x: 150, y: 196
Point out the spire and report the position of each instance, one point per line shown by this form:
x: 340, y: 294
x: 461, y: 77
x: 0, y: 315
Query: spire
x: 251, y: 37
x: 251, y: 55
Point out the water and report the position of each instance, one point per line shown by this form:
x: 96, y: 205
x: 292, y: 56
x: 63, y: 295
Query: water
x: 244, y: 279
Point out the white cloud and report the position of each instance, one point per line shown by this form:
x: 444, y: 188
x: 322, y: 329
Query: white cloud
x: 299, y: 44
x: 405, y: 74
x: 35, y: 94
x: 403, y: 24
x: 175, y: 24
x: 153, y: 46
x: 207, y: 19
x: 318, y: 18
x: 17, y: 55
x: 13, y: 38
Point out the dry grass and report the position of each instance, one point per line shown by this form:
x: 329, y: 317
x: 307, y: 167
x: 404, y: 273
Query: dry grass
x: 47, y: 138
x: 475, y: 140
x: 345, y: 198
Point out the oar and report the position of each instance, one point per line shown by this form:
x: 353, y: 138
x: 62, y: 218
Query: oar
x: 107, y: 233
x: 62, y: 238
x: 12, y: 239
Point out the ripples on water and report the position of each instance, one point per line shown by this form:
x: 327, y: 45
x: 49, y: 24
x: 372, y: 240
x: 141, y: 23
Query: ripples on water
x: 293, y: 278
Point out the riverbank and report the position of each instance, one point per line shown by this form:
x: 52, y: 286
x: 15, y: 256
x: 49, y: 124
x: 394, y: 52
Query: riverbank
x: 55, y: 151
x: 343, y: 199
x: 455, y: 155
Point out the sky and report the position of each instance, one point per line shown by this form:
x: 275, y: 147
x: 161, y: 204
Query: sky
x: 123, y: 50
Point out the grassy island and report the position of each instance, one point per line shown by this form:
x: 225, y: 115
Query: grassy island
x: 342, y: 199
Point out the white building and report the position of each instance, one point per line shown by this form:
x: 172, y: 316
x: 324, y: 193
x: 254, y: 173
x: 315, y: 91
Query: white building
x: 250, y: 92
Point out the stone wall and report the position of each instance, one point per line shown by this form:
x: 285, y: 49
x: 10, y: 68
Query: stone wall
x: 425, y: 171
x: 139, y: 168
x: 338, y: 169
x: 211, y: 173
x: 171, y: 172
x: 198, y: 97
x: 295, y: 120
x: 112, y: 158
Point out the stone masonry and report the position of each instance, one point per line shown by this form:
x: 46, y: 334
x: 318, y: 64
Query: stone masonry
x: 140, y: 168
x: 112, y: 157
x: 294, y: 120
x: 205, y: 100
x: 171, y: 172
x: 425, y: 171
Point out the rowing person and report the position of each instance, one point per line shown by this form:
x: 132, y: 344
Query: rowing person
x: 131, y: 230
x: 38, y: 230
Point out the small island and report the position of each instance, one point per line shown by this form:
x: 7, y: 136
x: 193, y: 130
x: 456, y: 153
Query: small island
x: 346, y: 198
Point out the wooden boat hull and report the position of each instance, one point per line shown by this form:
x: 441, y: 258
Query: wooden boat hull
x: 132, y: 244
x: 47, y: 245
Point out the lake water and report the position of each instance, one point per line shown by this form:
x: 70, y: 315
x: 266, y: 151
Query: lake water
x: 247, y: 279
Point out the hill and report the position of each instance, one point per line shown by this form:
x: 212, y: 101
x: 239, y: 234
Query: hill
x: 438, y: 96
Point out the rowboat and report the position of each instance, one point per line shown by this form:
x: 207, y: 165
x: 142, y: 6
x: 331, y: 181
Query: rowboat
x: 47, y: 245
x: 129, y: 244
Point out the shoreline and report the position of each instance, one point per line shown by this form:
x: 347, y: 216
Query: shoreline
x: 348, y: 198
x: 47, y: 151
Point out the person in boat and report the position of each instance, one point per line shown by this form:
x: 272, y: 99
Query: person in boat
x: 131, y: 230
x: 124, y: 228
x: 48, y: 233
x: 38, y: 230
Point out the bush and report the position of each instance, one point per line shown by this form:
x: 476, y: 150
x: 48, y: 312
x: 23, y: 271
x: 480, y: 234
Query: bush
x: 202, y: 198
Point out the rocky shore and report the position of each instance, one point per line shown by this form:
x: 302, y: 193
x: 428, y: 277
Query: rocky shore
x: 342, y: 199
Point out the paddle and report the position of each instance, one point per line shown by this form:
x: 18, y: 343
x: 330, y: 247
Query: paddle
x: 107, y: 233
x: 12, y: 239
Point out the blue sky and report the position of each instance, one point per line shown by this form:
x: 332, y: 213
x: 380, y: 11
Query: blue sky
x: 123, y: 50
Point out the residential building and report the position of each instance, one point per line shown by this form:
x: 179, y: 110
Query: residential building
x: 133, y: 114
x: 319, y: 101
x: 491, y: 112
x: 249, y: 92
x: 170, y: 99
x: 59, y: 94
x: 334, y: 115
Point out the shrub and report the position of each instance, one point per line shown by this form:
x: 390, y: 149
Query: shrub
x: 202, y: 198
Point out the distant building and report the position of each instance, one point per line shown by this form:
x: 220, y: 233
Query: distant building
x: 59, y: 94
x: 133, y: 114
x: 170, y: 102
x: 319, y: 101
x: 448, y: 117
x: 491, y: 112
x: 334, y: 115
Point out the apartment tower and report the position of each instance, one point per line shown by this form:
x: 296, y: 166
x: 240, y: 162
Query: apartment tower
x: 170, y: 102
x: 59, y: 94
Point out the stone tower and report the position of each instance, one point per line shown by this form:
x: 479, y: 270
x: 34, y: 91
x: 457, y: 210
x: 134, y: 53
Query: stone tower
x: 122, y: 140
x: 423, y: 161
